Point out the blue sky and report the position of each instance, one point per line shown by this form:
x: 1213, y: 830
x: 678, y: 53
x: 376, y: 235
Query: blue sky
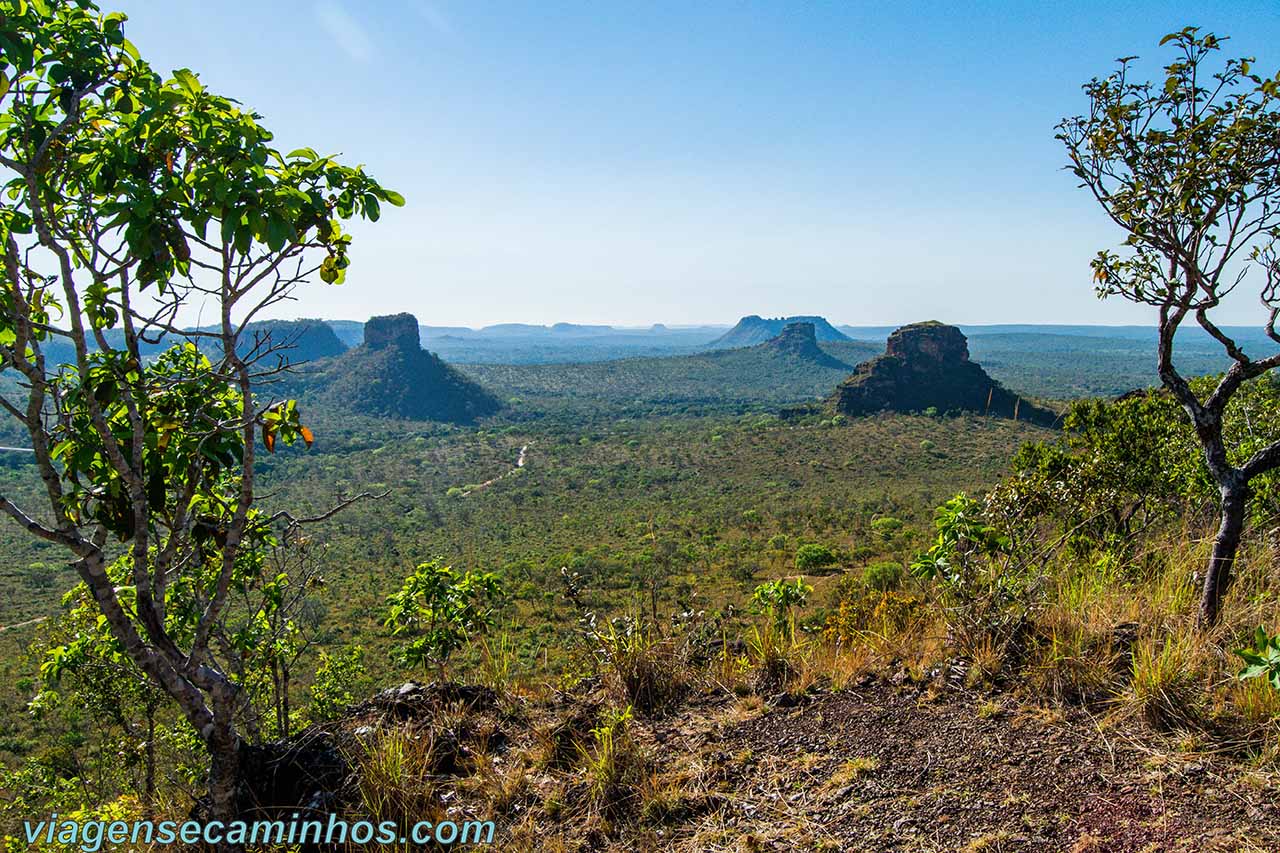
x: 677, y: 162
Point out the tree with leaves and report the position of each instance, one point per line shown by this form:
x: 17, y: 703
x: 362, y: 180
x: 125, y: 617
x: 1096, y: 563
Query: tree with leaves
x: 1189, y: 169
x: 439, y: 609
x: 131, y: 200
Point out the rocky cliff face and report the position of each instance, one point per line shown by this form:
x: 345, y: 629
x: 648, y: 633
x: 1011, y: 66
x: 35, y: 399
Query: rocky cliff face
x: 926, y: 365
x: 392, y: 330
x: 921, y: 343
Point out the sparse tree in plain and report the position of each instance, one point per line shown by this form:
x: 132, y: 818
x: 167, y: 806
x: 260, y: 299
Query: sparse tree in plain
x: 1189, y: 168
x: 130, y: 204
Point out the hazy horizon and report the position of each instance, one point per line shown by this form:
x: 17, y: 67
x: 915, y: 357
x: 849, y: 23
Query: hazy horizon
x: 688, y: 164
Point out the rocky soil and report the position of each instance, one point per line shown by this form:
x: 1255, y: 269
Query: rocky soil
x: 885, y: 765
x: 888, y: 768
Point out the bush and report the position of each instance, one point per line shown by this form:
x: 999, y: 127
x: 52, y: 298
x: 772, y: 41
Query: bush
x: 340, y: 679
x: 862, y: 610
x: 440, y: 609
x: 815, y: 556
x: 883, y: 576
x: 776, y: 598
x: 646, y: 669
x: 887, y: 527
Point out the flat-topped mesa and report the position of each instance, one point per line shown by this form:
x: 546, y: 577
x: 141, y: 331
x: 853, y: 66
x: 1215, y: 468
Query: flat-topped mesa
x: 754, y: 329
x: 398, y: 330
x: 926, y: 366
x: 930, y: 340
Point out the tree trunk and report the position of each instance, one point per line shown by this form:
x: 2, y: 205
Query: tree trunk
x: 1217, y: 576
x: 149, y: 785
x: 224, y: 776
x: 224, y: 744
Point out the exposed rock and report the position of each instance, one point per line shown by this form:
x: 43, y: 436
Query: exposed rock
x: 931, y: 341
x: 926, y: 365
x: 414, y: 700
x: 754, y: 330
x: 799, y: 340
x: 392, y: 330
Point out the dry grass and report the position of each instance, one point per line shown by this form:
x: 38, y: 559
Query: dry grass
x: 394, y: 769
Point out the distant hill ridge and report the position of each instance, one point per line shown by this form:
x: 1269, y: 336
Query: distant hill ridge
x: 754, y: 329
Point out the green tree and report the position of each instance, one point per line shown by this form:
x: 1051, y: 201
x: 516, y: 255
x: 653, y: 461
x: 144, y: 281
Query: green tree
x: 1189, y: 169
x: 440, y: 609
x: 84, y: 664
x: 777, y: 598
x: 127, y: 197
x: 339, y: 679
x: 815, y: 555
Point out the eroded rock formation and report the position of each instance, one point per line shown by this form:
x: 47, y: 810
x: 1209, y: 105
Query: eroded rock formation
x: 926, y: 365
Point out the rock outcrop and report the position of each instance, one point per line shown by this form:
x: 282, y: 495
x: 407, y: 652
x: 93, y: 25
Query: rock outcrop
x: 754, y: 330
x: 926, y: 365
x: 391, y: 375
x: 799, y: 340
x: 392, y: 330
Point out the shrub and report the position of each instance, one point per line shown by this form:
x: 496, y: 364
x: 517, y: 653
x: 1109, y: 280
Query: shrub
x: 987, y: 589
x: 815, y: 556
x: 862, y: 611
x: 443, y: 609
x: 777, y: 598
x: 887, y: 527
x: 862, y: 553
x: 883, y: 576
x: 339, y: 679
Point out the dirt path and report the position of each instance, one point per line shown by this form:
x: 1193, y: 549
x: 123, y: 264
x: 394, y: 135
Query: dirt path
x: 520, y: 460
x: 886, y: 768
x: 16, y: 625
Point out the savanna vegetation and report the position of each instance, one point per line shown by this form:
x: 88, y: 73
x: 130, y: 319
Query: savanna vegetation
x: 633, y: 619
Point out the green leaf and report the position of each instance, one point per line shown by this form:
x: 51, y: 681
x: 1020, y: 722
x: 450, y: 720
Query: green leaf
x: 187, y: 80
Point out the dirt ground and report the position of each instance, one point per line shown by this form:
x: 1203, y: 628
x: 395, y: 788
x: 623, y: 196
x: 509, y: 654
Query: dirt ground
x: 886, y: 767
